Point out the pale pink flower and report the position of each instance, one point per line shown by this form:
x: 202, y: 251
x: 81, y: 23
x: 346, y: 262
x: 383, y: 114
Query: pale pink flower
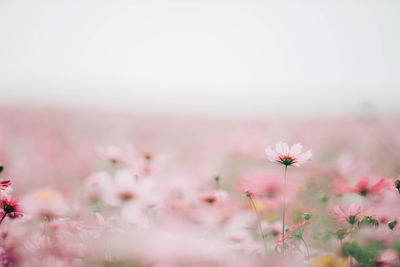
x: 123, y: 188
x: 286, y: 156
x: 388, y: 257
x: 46, y: 203
x: 363, y: 187
x: 213, y: 196
x: 115, y: 154
x: 266, y: 186
x: 293, y: 229
x: 352, y: 215
x: 97, y: 185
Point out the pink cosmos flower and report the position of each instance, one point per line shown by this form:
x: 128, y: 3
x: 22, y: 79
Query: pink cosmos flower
x: 4, y: 184
x: 115, y: 154
x: 97, y: 185
x: 266, y: 186
x: 46, y: 204
x: 123, y: 188
x: 286, y: 156
x: 363, y: 187
x: 213, y: 196
x: 293, y: 229
x: 10, y: 208
x: 5, y: 189
x: 352, y: 215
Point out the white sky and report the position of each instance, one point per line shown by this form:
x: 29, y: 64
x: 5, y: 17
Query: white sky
x: 208, y: 57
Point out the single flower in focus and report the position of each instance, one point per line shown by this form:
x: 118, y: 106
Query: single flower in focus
x: 286, y: 156
x: 363, y: 187
x: 10, y: 208
x: 352, y: 215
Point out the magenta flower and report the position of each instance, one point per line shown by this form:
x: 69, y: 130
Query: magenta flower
x: 286, y: 156
x: 352, y: 215
x: 363, y: 187
x: 4, y: 184
x: 10, y: 208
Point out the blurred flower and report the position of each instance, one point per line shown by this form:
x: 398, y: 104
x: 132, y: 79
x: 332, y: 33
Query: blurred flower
x: 8, y: 257
x: 45, y: 204
x: 213, y: 196
x: 352, y: 215
x: 329, y: 261
x: 268, y: 187
x: 122, y: 189
x: 4, y: 184
x: 5, y: 189
x: 115, y: 154
x: 96, y: 186
x: 363, y: 187
x: 286, y: 156
x: 295, y: 232
x: 388, y: 257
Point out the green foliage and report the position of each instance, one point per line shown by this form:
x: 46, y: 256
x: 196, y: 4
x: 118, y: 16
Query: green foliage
x: 366, y: 255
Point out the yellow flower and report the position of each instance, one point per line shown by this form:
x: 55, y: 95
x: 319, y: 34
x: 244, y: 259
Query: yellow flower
x: 329, y: 261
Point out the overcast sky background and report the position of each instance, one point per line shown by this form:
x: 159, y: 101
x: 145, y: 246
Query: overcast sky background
x: 204, y: 57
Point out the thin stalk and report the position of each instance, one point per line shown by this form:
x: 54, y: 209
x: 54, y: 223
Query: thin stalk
x: 283, y: 215
x: 259, y: 223
x: 305, y: 244
x: 2, y: 218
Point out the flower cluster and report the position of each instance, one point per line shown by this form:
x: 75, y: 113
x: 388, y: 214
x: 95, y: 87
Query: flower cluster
x: 9, y: 205
x: 185, y: 197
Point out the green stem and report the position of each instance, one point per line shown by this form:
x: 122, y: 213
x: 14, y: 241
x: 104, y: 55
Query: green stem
x: 259, y: 223
x: 2, y: 218
x: 283, y: 215
x: 305, y: 244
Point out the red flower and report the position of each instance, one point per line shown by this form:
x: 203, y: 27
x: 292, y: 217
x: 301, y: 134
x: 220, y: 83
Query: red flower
x: 4, y: 184
x: 10, y: 208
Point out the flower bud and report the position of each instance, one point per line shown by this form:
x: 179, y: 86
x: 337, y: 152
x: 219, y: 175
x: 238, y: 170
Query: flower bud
x: 397, y: 184
x: 368, y: 221
x: 392, y: 224
x: 341, y: 234
x: 306, y: 216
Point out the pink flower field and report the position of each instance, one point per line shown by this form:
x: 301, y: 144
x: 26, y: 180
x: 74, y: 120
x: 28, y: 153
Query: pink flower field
x: 102, y: 188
